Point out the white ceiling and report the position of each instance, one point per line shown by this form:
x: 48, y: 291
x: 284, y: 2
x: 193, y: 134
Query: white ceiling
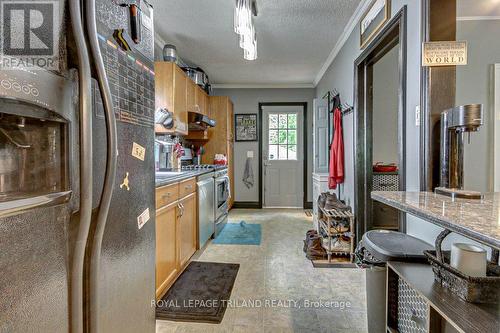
x: 295, y: 37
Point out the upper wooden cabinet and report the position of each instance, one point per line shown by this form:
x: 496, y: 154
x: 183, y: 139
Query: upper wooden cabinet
x: 222, y: 135
x: 176, y: 92
x: 171, y: 93
x: 201, y: 101
x: 191, y: 95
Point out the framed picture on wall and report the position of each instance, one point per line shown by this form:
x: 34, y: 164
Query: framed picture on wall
x: 373, y: 20
x: 246, y: 127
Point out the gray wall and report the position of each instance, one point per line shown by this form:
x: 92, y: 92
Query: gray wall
x: 474, y: 85
x: 247, y: 101
x: 340, y: 76
x: 385, y: 108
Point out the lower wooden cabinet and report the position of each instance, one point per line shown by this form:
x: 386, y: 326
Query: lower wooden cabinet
x: 167, y: 266
x: 187, y: 229
x: 176, y: 232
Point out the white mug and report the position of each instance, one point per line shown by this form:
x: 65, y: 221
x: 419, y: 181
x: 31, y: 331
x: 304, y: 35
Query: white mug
x: 469, y: 259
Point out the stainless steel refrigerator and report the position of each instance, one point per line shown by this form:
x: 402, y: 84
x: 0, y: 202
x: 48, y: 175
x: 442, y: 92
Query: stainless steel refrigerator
x: 77, y: 231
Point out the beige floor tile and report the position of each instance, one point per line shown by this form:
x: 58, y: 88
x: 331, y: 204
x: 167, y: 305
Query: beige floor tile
x: 277, y: 270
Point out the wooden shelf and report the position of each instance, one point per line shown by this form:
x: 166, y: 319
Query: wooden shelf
x: 445, y: 307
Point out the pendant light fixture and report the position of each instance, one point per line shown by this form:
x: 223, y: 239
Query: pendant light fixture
x: 244, y: 12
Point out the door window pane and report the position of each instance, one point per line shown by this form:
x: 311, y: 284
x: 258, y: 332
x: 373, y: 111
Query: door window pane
x: 273, y: 136
x: 273, y: 121
x: 283, y: 121
x: 282, y: 155
x: 292, y: 120
x: 292, y: 137
x: 283, y: 136
x: 273, y: 152
x: 292, y: 152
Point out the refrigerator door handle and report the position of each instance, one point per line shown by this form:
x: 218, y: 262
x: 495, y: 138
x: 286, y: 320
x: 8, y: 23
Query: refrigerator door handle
x: 110, y: 175
x: 86, y: 181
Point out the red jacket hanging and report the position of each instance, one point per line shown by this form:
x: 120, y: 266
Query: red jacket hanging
x: 336, y: 168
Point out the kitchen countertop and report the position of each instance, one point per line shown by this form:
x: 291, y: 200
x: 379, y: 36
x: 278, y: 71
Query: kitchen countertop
x: 476, y: 219
x: 162, y: 181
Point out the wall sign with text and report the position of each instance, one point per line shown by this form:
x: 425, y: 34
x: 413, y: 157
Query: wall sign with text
x: 451, y: 53
x: 246, y: 127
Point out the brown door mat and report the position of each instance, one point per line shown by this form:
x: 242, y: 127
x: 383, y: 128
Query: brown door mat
x: 200, y: 294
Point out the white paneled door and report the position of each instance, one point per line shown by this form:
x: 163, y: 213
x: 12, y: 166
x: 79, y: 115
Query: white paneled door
x: 283, y: 156
x: 320, y: 135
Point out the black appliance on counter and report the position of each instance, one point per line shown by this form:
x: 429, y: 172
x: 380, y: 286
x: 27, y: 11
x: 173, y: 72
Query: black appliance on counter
x: 76, y: 178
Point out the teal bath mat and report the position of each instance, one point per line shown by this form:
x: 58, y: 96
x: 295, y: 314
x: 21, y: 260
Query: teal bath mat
x: 239, y: 234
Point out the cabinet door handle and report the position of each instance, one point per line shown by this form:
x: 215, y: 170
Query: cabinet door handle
x: 181, y: 212
x: 181, y: 208
x: 188, y: 187
x: 167, y: 195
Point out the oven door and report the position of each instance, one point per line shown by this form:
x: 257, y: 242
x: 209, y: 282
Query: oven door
x: 221, y: 196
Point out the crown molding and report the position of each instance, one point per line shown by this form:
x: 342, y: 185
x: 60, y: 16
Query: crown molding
x: 478, y: 18
x: 351, y: 24
x: 262, y: 85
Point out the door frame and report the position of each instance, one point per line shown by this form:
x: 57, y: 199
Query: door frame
x: 392, y: 34
x: 304, y: 143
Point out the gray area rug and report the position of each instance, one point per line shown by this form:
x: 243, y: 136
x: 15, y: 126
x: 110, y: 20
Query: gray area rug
x: 200, y: 294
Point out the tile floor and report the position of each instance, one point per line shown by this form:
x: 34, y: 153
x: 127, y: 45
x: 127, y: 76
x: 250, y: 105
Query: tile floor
x: 277, y: 271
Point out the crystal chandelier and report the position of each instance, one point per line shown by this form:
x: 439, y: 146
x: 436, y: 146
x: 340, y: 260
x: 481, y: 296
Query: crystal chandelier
x: 244, y: 27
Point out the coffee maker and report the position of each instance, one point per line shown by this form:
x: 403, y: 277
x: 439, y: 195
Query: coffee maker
x: 455, y: 122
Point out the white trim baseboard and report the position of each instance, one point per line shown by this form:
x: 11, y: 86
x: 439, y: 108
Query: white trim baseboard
x: 478, y: 18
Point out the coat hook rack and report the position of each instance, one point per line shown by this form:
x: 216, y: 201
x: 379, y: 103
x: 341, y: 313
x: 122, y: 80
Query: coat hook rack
x: 346, y: 109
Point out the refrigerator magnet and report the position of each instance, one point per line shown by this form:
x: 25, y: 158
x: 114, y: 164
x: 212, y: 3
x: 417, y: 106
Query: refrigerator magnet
x: 143, y: 218
x: 138, y: 151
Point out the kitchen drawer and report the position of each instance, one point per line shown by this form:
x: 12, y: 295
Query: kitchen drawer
x: 187, y: 187
x: 166, y: 195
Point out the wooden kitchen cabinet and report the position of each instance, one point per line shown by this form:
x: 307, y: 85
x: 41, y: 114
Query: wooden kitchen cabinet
x: 221, y: 136
x: 171, y: 93
x: 200, y: 100
x: 187, y: 229
x: 191, y: 95
x: 176, y: 231
x: 167, y: 267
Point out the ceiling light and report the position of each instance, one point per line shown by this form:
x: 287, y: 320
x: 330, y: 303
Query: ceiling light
x: 244, y: 27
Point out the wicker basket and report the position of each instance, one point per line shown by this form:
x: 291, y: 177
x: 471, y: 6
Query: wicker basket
x: 471, y: 289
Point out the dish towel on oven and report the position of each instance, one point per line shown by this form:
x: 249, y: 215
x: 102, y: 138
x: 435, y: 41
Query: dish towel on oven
x: 336, y: 169
x: 248, y: 173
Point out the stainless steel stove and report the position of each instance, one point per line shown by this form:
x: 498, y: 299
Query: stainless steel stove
x: 220, y: 196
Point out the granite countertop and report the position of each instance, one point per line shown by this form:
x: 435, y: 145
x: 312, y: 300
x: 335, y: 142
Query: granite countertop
x: 476, y: 219
x: 182, y: 175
